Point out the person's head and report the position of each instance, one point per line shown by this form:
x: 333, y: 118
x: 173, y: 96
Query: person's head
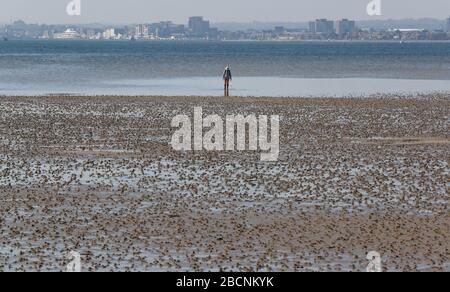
x: 227, y: 68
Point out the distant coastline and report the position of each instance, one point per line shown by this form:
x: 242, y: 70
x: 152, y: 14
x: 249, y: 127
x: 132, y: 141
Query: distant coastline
x: 229, y: 41
x: 199, y: 28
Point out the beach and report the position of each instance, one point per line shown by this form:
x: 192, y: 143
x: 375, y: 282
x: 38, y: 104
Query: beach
x: 97, y: 175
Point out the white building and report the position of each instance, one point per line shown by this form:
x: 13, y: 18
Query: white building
x: 67, y: 34
x: 109, y: 33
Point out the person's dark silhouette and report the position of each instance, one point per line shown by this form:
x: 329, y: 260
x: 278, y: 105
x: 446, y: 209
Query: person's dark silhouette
x: 227, y: 78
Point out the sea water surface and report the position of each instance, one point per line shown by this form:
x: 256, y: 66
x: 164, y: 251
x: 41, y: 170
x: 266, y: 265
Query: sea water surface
x: 195, y: 68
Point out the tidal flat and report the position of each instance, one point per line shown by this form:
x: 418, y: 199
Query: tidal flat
x: 97, y: 175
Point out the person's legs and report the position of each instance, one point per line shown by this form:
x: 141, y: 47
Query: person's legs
x: 226, y: 86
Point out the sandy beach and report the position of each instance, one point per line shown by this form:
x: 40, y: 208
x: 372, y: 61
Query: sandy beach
x: 97, y: 175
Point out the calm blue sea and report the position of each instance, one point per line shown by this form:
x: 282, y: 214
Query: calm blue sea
x: 195, y: 68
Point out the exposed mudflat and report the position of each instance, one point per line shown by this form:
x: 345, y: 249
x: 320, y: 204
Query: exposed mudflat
x: 97, y: 175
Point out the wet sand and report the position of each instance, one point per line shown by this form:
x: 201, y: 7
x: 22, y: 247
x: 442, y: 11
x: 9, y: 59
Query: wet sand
x: 96, y: 175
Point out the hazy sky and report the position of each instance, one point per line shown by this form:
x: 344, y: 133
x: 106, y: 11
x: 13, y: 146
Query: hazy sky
x: 130, y: 11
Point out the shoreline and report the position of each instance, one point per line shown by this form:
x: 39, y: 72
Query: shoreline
x: 262, y: 86
x: 380, y: 96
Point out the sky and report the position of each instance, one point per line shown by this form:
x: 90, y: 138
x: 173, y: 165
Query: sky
x: 135, y: 11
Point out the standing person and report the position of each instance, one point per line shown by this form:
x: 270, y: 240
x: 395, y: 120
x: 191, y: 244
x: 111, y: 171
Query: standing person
x: 227, y: 78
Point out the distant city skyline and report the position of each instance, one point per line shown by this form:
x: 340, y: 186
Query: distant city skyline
x: 141, y: 11
x: 199, y: 28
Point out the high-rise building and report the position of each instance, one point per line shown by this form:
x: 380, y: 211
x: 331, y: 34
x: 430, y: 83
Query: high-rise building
x: 279, y: 29
x: 138, y: 31
x: 312, y: 27
x: 448, y: 24
x: 322, y: 26
x: 163, y: 29
x: 198, y: 26
x: 141, y: 31
x: 145, y: 31
x: 345, y: 27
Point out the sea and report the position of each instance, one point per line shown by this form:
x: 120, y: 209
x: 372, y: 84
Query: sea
x: 194, y: 68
